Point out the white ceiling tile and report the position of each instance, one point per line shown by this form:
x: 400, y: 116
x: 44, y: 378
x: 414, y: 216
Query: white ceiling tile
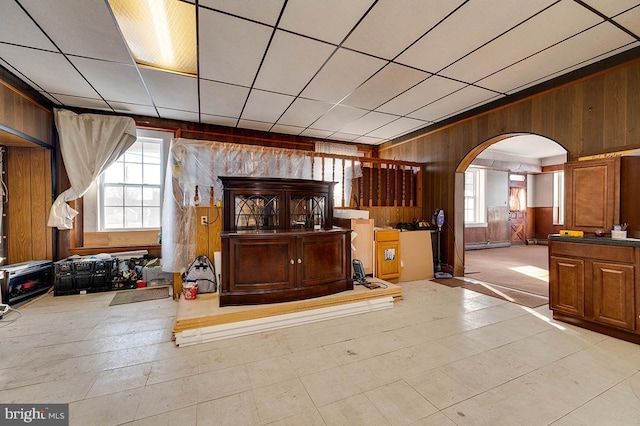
x: 368, y: 122
x: 389, y: 28
x: 551, y: 26
x: 345, y: 137
x: 466, y: 30
x: 173, y: 114
x: 424, y: 93
x: 94, y: 33
x: 51, y: 98
x: 328, y: 20
x: 230, y: 49
x: 50, y: 71
x: 125, y: 108
x: 630, y: 20
x: 114, y: 82
x: 597, y: 41
x: 170, y: 90
x: 79, y: 102
x: 255, y: 125
x: 611, y: 8
x: 303, y: 112
x: 265, y: 11
x: 369, y: 140
x: 217, y: 120
x: 315, y: 133
x: 266, y: 106
x: 397, y: 128
x: 287, y: 130
x: 222, y: 99
x: 291, y: 62
x: 456, y: 102
x: 338, y: 117
x: 345, y: 71
x: 17, y: 28
x: 383, y: 86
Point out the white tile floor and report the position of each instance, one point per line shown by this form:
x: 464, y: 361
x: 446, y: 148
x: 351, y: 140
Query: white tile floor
x: 441, y: 356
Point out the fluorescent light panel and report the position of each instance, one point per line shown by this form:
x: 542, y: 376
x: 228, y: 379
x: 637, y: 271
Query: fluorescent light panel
x: 160, y: 33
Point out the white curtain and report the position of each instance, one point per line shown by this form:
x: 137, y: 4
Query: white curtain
x: 89, y: 144
x: 194, y: 163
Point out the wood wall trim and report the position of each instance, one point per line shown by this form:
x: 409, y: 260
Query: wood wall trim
x: 27, y: 98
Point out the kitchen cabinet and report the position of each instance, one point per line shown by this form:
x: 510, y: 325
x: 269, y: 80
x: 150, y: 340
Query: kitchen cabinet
x: 595, y: 283
x: 603, y: 192
x: 278, y: 242
x: 387, y: 253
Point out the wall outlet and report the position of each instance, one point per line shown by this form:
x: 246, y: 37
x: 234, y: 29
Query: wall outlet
x: 203, y: 220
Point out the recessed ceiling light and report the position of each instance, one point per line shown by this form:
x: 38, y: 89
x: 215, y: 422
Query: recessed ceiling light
x: 160, y: 33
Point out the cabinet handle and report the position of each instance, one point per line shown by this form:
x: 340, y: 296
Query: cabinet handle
x: 299, y: 260
x: 292, y: 261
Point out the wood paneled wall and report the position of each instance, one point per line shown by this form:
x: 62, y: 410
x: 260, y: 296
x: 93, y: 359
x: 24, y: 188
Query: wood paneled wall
x: 594, y: 115
x: 21, y: 115
x: 29, y: 202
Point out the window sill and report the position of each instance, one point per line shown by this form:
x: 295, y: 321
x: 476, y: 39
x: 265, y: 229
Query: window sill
x: 88, y: 251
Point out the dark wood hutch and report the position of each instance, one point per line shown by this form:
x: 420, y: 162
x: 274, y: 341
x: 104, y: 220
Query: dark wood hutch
x: 278, y: 242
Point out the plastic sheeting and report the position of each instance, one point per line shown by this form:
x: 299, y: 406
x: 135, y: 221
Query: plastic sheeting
x: 89, y: 144
x: 194, y: 163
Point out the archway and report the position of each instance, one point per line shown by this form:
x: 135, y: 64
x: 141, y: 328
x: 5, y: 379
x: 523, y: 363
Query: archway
x: 534, y: 160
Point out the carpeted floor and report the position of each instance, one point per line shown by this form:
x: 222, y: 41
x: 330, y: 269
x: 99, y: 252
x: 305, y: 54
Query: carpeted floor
x: 523, y: 268
x: 519, y: 274
x: 139, y: 295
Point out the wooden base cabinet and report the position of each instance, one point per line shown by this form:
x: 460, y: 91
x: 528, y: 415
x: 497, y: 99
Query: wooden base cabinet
x: 285, y: 266
x: 278, y: 242
x: 596, y: 285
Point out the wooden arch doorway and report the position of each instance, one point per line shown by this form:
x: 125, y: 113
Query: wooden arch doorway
x: 528, y: 157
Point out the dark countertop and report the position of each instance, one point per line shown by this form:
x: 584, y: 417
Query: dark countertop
x: 597, y: 240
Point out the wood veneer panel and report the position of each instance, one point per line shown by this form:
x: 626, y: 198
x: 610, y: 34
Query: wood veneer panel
x: 19, y: 231
x: 614, y: 114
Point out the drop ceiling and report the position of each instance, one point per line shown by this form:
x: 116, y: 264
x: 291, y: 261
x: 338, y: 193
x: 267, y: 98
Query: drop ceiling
x: 360, y: 70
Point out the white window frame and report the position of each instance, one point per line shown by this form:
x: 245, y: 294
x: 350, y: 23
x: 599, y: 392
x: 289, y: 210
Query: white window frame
x: 475, y: 212
x: 162, y: 137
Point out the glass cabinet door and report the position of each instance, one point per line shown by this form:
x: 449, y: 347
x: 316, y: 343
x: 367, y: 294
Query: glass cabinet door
x: 257, y: 211
x: 307, y: 212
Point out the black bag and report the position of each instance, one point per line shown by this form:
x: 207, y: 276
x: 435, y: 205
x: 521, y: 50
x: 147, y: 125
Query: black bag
x: 202, y: 272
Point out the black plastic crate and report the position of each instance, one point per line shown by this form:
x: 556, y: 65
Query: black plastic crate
x: 72, y: 276
x: 83, y: 267
x: 63, y: 285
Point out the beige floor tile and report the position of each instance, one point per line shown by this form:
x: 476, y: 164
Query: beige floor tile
x: 310, y: 417
x: 353, y: 411
x: 120, y: 379
x: 400, y: 404
x: 167, y: 396
x: 106, y: 410
x: 440, y: 389
x: 269, y: 371
x: 484, y: 371
x: 238, y: 409
x: 311, y: 361
x: 328, y: 386
x: 186, y: 416
x: 619, y: 405
x: 220, y: 383
x: 282, y: 401
x: 370, y: 374
x: 479, y: 360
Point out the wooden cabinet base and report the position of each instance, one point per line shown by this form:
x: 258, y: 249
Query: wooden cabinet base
x: 598, y: 328
x: 277, y: 296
